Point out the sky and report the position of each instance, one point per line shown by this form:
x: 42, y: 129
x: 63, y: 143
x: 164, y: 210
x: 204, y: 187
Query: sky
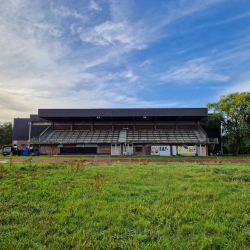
x: 121, y: 53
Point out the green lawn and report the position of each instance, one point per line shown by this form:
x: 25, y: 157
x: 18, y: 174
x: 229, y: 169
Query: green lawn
x: 225, y: 157
x: 125, y: 206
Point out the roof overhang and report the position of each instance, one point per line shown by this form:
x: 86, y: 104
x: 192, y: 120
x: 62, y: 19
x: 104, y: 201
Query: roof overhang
x: 150, y: 114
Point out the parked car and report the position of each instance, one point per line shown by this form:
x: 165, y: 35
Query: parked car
x: 8, y: 150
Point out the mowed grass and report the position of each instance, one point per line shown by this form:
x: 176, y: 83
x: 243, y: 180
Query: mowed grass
x: 125, y: 206
x: 245, y: 157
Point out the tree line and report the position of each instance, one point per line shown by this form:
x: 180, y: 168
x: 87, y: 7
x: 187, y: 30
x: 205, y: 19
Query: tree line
x: 232, y: 113
x: 6, y: 133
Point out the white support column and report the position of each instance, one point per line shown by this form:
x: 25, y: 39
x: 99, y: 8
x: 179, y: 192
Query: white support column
x: 29, y: 134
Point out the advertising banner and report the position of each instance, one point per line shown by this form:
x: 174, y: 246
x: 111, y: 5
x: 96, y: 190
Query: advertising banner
x: 187, y: 151
x: 155, y: 150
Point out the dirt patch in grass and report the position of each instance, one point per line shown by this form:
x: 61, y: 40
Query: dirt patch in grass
x: 113, y: 160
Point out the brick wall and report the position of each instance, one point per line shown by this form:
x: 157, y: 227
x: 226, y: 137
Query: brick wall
x: 187, y: 126
x: 144, y: 127
x: 101, y: 127
x: 20, y: 143
x: 165, y: 126
x: 82, y: 127
x: 145, y: 150
x: 62, y: 127
x: 120, y: 127
x: 105, y: 152
x: 49, y: 150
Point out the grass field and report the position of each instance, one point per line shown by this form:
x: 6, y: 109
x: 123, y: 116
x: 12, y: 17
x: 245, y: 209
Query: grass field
x: 225, y: 157
x: 124, y: 206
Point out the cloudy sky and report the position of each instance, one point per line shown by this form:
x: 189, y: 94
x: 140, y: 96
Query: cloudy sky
x: 121, y: 53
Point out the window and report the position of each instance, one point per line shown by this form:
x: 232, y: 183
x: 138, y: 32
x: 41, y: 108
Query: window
x: 138, y: 149
x: 103, y: 147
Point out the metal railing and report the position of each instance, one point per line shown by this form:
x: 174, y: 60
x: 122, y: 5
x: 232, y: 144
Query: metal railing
x: 35, y: 139
x: 213, y: 140
x: 201, y: 130
x: 45, y: 133
x: 206, y: 140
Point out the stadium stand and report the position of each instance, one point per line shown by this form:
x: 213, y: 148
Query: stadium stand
x: 117, y: 131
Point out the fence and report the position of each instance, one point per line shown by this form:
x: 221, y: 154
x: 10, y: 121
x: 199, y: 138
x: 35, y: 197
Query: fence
x: 102, y: 159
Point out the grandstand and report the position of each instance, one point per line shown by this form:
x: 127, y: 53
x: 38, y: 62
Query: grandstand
x: 116, y: 131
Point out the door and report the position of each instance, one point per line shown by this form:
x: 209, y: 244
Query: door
x: 116, y: 149
x: 128, y: 150
x: 201, y: 150
x: 174, y: 150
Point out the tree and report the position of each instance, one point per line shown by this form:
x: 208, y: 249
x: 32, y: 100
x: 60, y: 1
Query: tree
x: 6, y: 132
x: 232, y: 113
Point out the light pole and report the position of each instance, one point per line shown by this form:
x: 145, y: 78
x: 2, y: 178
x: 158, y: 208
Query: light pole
x: 125, y: 139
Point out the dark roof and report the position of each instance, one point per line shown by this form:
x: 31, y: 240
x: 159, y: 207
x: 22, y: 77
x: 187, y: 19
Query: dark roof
x: 21, y: 129
x: 36, y: 118
x: 76, y: 114
x: 36, y: 130
x: 122, y: 112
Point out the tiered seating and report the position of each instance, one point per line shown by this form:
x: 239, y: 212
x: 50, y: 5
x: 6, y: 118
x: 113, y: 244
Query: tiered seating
x: 109, y: 136
x: 165, y: 136
x: 83, y: 136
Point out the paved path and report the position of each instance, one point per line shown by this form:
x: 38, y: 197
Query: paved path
x: 130, y: 160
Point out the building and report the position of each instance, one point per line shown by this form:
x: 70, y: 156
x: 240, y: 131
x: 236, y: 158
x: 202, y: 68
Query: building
x: 156, y: 131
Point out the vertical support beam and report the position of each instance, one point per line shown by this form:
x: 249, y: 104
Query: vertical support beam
x: 113, y: 124
x: 92, y: 126
x: 29, y: 133
x: 200, y: 149
x: 134, y: 125
x: 52, y: 124
x: 155, y: 123
x: 71, y: 126
x: 176, y: 123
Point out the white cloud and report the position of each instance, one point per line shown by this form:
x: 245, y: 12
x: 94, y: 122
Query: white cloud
x: 94, y: 5
x: 112, y: 33
x: 196, y: 69
x: 241, y: 86
x: 43, y: 66
x: 47, y: 27
x: 64, y: 11
x: 147, y: 62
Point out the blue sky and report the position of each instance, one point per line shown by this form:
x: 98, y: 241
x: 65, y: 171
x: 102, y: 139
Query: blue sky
x: 119, y: 54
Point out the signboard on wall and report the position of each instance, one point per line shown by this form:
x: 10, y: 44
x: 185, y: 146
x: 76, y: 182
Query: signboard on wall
x: 187, y: 150
x: 155, y: 150
x: 163, y: 150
